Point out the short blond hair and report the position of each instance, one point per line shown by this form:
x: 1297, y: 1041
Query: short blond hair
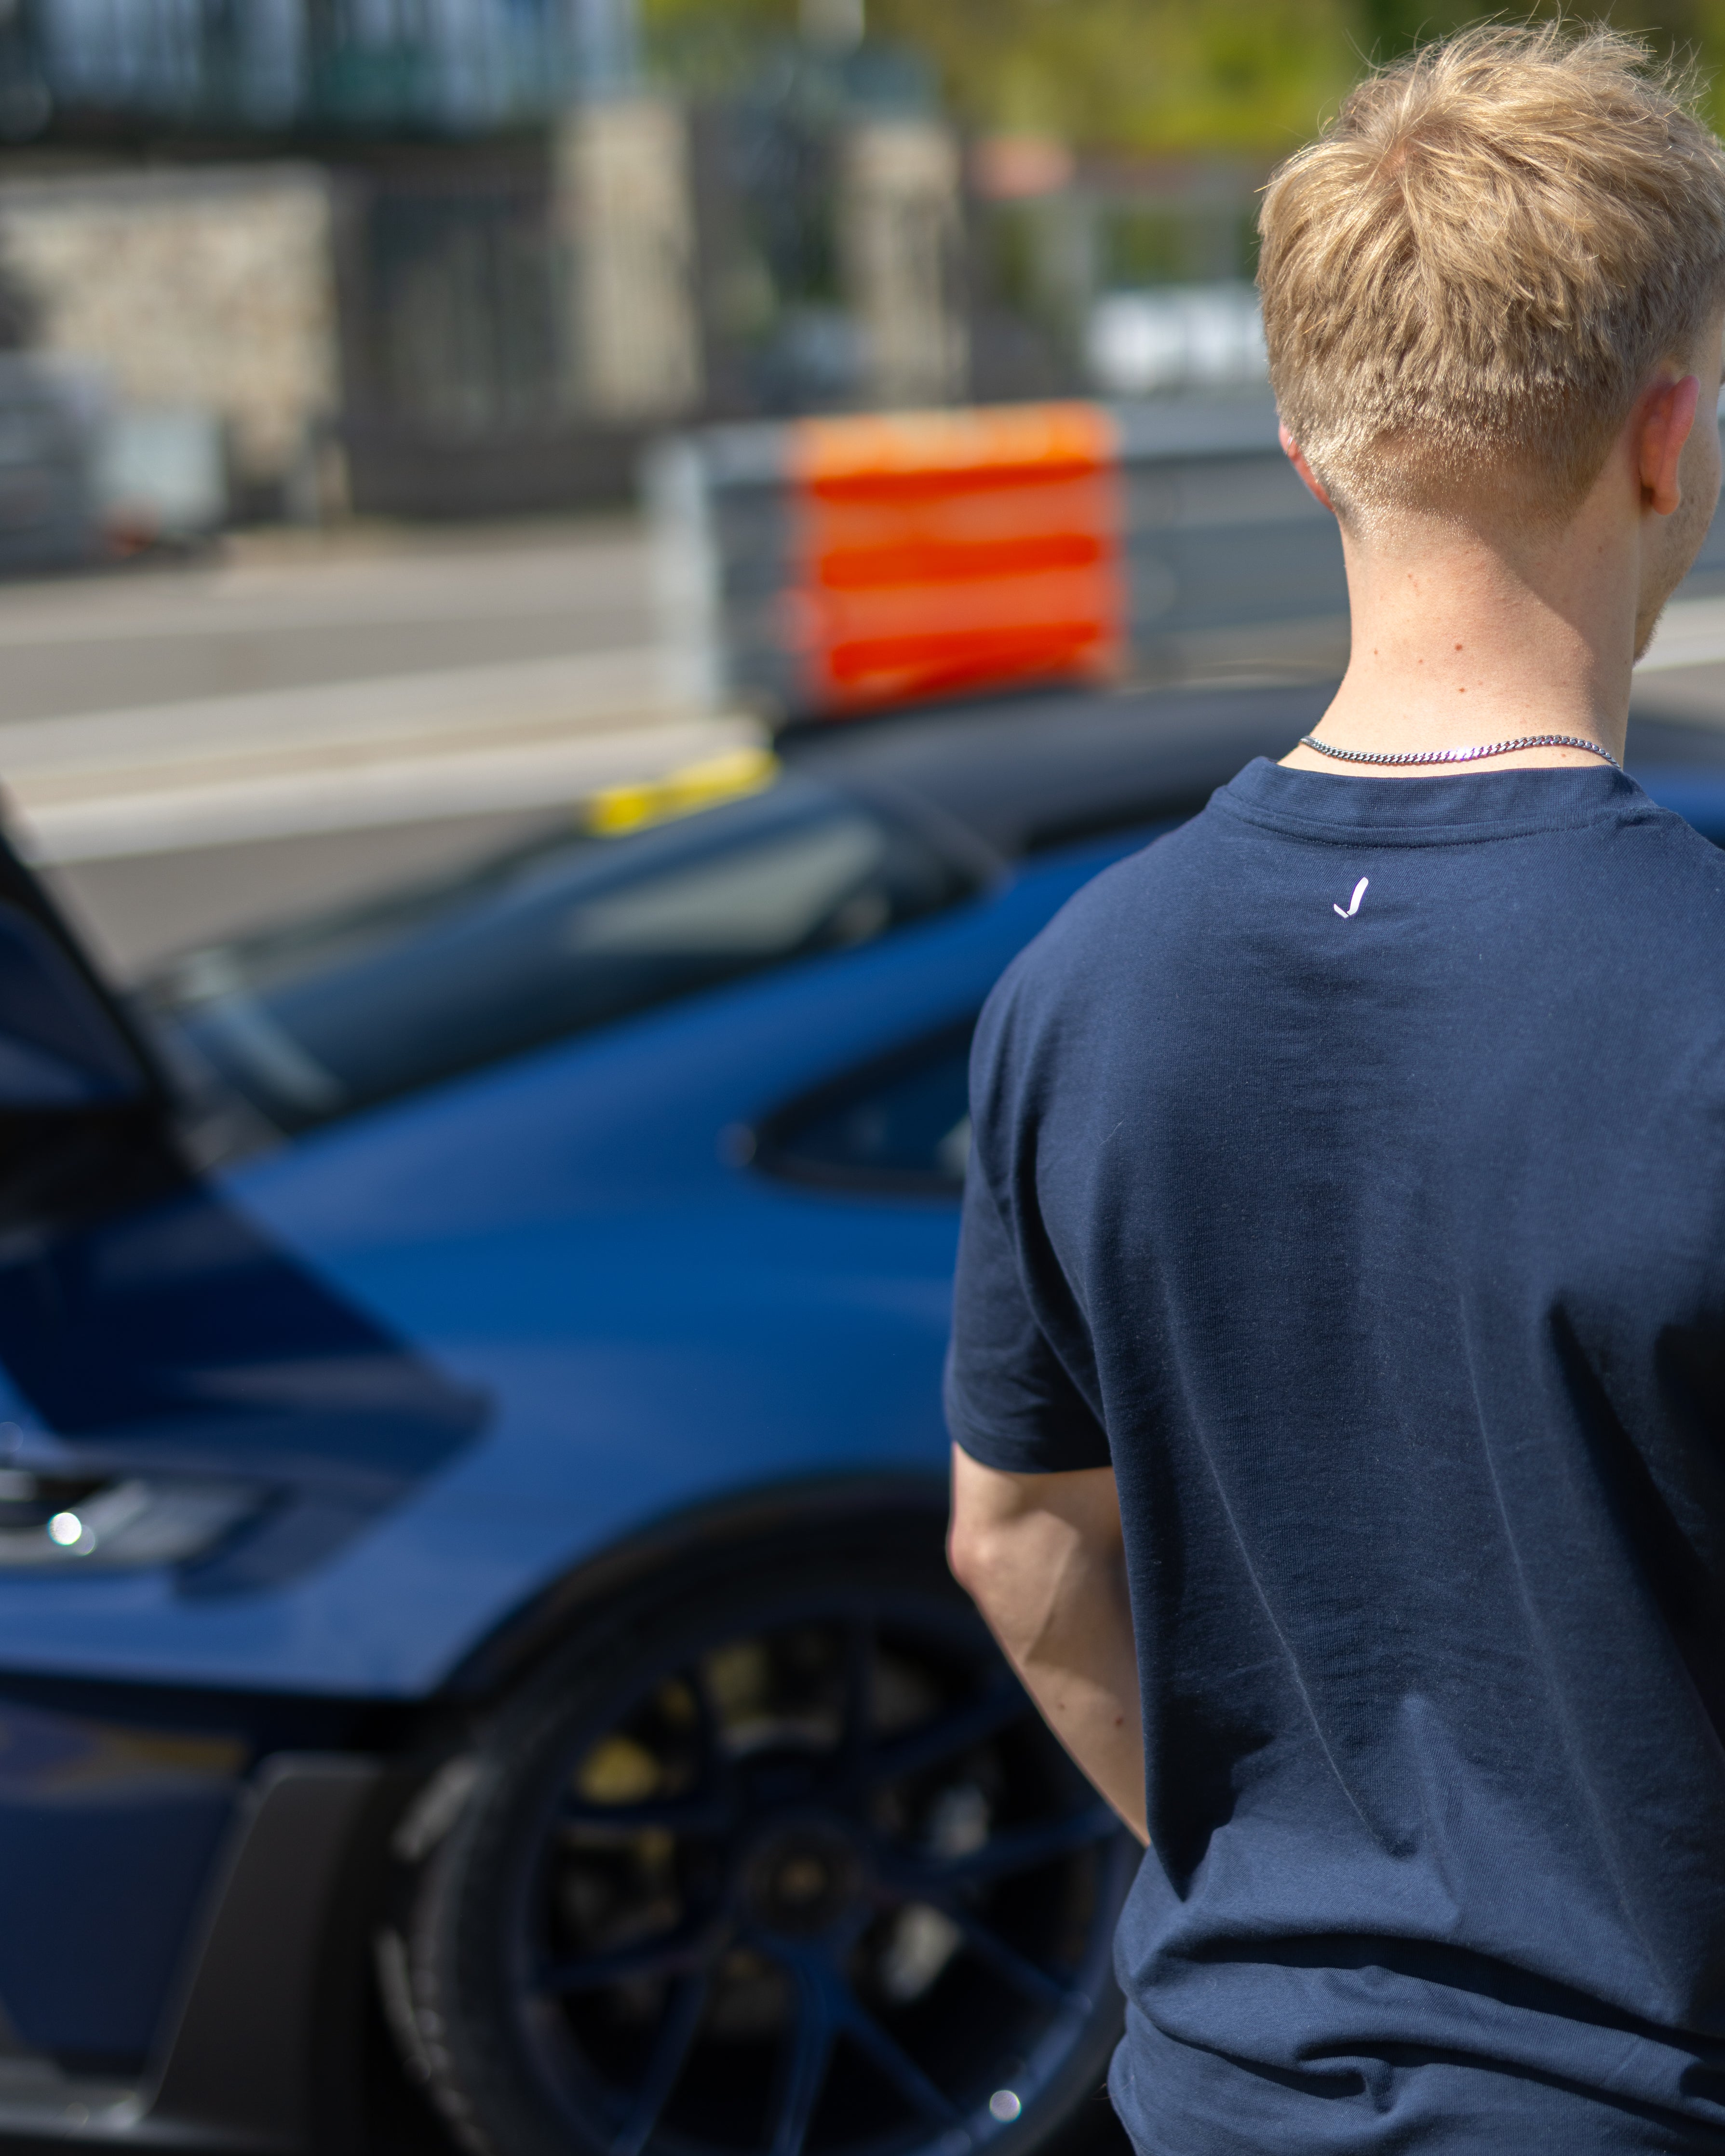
x: 1477, y: 267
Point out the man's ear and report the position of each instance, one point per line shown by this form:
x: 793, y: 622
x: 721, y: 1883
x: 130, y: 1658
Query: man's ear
x: 1668, y: 416
x: 1296, y: 457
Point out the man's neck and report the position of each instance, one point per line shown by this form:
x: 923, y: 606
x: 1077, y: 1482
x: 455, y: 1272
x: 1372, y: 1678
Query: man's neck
x: 1459, y: 640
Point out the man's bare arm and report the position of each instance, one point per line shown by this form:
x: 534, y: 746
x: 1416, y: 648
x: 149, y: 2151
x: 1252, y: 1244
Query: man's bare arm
x: 1041, y: 1556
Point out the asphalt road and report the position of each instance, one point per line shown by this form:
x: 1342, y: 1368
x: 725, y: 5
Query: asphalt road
x: 302, y: 719
x: 189, y: 749
x: 284, y: 610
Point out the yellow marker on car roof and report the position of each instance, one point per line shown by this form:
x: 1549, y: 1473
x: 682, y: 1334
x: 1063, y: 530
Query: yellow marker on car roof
x: 617, y: 809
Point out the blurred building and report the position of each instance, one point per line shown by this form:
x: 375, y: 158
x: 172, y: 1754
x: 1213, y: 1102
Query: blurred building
x: 237, y: 67
x: 437, y: 256
x: 1128, y: 279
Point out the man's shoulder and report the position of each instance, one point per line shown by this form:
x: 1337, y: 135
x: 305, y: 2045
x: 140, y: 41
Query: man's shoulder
x: 1672, y: 880
x: 1650, y: 902
x: 1109, y: 930
x: 1158, y: 882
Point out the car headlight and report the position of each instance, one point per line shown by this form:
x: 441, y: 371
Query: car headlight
x: 61, y: 1521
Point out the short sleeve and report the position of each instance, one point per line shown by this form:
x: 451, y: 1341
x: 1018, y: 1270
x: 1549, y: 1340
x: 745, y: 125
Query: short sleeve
x: 1011, y: 1401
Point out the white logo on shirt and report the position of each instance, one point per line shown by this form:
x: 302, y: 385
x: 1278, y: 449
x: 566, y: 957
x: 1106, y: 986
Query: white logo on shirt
x: 1359, y: 892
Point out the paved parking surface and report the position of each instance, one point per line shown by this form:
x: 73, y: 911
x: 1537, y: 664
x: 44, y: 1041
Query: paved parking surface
x: 286, y: 610
x: 191, y: 750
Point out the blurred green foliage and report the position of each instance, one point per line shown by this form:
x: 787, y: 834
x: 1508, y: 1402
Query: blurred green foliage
x: 1158, y: 76
x: 1137, y: 75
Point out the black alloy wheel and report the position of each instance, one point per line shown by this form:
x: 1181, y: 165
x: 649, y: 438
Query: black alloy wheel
x: 787, y: 1866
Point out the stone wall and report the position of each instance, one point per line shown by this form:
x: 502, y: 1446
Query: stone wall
x: 212, y: 288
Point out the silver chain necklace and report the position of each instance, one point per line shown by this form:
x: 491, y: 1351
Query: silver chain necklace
x: 1460, y: 755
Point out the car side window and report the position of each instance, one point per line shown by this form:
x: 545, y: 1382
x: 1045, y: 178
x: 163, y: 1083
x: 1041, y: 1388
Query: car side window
x: 572, y: 932
x: 898, y: 1126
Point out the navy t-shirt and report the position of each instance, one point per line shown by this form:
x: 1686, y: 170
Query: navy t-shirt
x: 1349, y: 1173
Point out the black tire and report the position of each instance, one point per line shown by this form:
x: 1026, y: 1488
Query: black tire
x: 782, y: 1865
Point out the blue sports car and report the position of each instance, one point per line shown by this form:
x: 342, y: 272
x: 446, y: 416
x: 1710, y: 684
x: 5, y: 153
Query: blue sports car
x: 476, y: 1655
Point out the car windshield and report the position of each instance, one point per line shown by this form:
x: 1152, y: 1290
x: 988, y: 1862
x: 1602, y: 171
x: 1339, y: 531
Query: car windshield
x: 316, y: 1021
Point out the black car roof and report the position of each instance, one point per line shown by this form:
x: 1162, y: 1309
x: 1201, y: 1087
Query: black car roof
x: 1039, y: 771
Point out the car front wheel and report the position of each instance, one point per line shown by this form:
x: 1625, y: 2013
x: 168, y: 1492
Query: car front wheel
x: 780, y: 1863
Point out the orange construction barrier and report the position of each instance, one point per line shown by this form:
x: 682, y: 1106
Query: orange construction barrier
x: 818, y: 569
x: 937, y: 553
